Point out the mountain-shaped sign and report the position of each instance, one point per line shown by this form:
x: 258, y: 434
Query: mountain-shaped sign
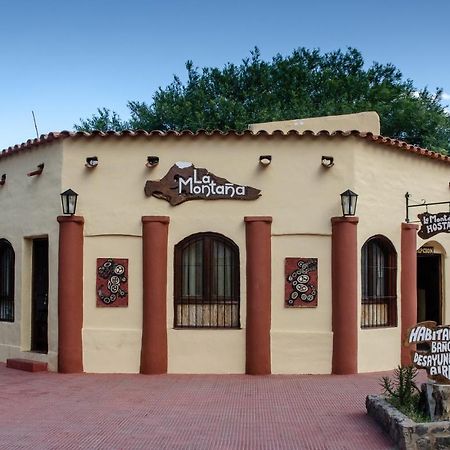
x: 184, y: 182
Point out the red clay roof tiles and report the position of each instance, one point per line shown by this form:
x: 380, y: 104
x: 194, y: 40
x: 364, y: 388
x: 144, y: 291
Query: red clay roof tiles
x: 55, y: 136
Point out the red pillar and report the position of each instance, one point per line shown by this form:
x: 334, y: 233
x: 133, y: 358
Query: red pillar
x: 154, y: 315
x: 70, y: 294
x: 408, y: 285
x: 259, y: 274
x: 344, y: 273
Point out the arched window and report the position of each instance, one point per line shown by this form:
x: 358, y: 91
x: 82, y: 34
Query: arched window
x: 379, y: 283
x: 6, y: 281
x: 206, y: 282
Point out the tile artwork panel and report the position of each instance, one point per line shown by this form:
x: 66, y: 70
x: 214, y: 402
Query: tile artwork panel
x: 301, y: 282
x: 112, y: 282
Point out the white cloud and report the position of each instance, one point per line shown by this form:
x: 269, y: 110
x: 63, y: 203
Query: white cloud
x: 445, y: 96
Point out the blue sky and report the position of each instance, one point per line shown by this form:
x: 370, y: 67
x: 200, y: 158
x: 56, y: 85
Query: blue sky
x: 63, y: 59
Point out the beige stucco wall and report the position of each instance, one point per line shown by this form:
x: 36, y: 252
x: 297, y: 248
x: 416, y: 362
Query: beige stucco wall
x: 384, y: 175
x: 297, y: 191
x: 301, y: 337
x: 293, y: 184
x: 29, y: 208
x: 112, y: 336
x: 364, y: 122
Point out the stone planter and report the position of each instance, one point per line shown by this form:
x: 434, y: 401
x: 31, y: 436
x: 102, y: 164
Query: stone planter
x: 406, y: 433
x: 438, y: 400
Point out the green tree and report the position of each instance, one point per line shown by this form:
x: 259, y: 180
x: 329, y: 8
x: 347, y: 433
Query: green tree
x: 104, y: 120
x: 303, y: 84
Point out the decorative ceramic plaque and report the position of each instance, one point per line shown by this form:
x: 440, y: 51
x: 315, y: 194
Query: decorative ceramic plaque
x: 184, y: 182
x: 301, y: 282
x: 112, y: 282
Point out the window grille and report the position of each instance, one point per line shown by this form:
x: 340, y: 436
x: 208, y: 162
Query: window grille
x: 379, y: 283
x: 206, y: 282
x: 6, y: 281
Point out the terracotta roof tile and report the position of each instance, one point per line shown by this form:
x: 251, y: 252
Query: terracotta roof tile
x: 57, y: 136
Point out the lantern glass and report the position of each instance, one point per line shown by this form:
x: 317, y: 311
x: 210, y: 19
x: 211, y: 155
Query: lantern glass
x: 348, y: 202
x: 69, y: 202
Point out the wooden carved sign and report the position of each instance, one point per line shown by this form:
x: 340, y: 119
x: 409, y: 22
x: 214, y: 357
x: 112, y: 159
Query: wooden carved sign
x: 436, y: 358
x: 301, y: 282
x: 112, y: 282
x: 185, y: 182
x: 433, y: 224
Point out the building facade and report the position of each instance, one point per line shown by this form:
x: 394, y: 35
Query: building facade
x: 220, y: 252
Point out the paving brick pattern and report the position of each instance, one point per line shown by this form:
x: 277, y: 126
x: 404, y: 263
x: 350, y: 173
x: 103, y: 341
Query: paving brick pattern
x: 55, y: 411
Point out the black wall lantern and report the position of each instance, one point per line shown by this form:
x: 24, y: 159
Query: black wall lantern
x: 69, y: 202
x: 348, y: 202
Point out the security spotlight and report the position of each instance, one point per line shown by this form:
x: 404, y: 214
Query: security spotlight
x: 91, y: 162
x: 327, y: 161
x: 265, y: 160
x: 152, y: 161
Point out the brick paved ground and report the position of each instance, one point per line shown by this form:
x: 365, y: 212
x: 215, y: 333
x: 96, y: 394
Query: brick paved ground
x: 54, y: 411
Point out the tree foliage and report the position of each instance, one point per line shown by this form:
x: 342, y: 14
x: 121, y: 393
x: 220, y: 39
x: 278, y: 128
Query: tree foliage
x: 303, y: 84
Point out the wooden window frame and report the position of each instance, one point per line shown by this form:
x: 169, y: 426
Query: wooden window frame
x: 379, y: 308
x: 7, y: 302
x: 207, y: 297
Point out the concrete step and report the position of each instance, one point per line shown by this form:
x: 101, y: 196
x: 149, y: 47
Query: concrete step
x: 26, y: 364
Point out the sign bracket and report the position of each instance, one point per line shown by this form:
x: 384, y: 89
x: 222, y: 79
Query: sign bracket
x: 422, y: 204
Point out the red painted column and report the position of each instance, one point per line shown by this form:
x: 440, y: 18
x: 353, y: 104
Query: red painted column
x: 408, y: 285
x: 344, y: 273
x: 70, y: 294
x: 259, y: 277
x: 154, y: 314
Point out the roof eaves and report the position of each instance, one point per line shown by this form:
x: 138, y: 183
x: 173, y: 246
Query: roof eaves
x: 378, y: 139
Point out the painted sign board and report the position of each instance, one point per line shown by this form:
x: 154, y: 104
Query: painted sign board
x: 435, y: 359
x: 433, y: 224
x: 184, y: 182
x: 425, y: 251
x: 301, y: 282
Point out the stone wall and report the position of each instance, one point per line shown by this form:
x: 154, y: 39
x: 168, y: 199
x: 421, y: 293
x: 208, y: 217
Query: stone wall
x: 407, y: 434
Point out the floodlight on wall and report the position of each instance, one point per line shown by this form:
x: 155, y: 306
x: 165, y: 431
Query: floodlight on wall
x: 152, y: 161
x: 3, y: 179
x: 265, y: 160
x: 38, y: 171
x: 69, y: 202
x: 348, y: 203
x: 91, y: 162
x: 327, y: 161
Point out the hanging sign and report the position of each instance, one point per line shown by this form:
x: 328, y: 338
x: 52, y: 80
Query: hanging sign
x: 436, y: 358
x: 433, y: 224
x: 185, y: 182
